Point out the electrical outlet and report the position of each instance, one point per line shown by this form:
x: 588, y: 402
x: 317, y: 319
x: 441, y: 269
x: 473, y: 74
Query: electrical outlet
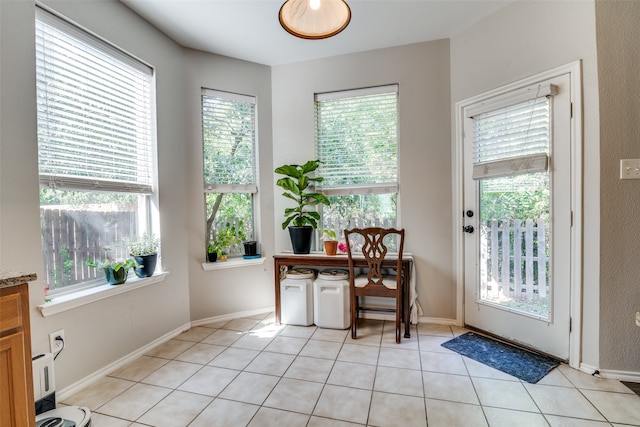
x: 56, y: 345
x: 629, y: 168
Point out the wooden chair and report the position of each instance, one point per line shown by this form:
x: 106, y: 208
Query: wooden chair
x: 375, y: 283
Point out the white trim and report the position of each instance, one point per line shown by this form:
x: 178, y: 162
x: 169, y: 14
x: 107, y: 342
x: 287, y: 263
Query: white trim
x: 509, y: 98
x: 73, y: 300
x: 574, y: 69
x: 230, y: 188
x: 391, y: 187
x: 633, y: 377
x: 79, y: 385
x: 438, y: 321
x: 374, y: 90
x: 232, y: 263
x: 249, y: 99
x: 231, y: 316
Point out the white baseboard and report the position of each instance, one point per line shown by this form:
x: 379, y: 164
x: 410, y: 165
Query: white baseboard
x: 68, y: 391
x: 629, y: 376
x: 232, y: 316
x: 438, y: 321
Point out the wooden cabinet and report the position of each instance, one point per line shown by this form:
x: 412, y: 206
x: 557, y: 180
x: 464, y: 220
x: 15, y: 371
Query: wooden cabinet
x: 17, y: 407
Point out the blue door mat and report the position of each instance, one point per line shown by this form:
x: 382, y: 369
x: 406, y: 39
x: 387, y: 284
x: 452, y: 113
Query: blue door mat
x: 522, y: 364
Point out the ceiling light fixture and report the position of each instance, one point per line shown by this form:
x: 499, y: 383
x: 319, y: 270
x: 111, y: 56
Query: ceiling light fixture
x: 314, y: 19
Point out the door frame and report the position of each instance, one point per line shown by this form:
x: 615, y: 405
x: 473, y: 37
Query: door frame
x: 574, y: 69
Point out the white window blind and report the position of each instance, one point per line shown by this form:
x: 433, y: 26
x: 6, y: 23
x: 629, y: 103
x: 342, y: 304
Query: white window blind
x: 512, y: 139
x: 94, y: 111
x: 229, y: 142
x: 357, y: 139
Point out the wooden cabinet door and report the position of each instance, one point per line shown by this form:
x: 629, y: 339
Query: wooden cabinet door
x: 15, y: 408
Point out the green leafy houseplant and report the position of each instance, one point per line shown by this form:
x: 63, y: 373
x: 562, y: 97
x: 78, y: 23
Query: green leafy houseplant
x: 147, y: 244
x: 330, y: 241
x: 295, y: 184
x: 145, y: 251
x: 116, y: 272
x: 301, y: 220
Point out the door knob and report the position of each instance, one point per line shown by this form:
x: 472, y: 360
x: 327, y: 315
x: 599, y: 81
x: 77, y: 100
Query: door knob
x: 468, y: 229
x: 469, y: 213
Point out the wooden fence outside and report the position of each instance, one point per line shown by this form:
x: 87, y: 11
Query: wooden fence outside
x: 513, y: 260
x: 71, y: 237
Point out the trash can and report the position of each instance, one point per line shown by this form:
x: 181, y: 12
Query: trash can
x: 331, y: 300
x: 296, y: 297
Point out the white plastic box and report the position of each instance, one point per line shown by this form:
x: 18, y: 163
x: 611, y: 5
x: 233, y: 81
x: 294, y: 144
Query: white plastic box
x: 332, y: 307
x: 296, y: 297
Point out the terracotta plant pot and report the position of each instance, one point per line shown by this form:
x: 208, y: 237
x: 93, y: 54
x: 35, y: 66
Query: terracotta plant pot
x: 331, y: 247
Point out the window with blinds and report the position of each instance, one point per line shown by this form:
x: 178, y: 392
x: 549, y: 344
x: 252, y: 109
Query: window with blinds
x: 95, y: 151
x: 229, y: 166
x: 94, y: 112
x: 512, y: 138
x: 357, y: 141
x: 228, y: 134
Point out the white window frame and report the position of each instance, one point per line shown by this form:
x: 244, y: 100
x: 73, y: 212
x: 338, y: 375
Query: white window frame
x: 222, y: 184
x: 382, y: 184
x: 140, y: 178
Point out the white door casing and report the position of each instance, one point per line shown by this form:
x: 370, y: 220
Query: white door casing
x: 550, y: 335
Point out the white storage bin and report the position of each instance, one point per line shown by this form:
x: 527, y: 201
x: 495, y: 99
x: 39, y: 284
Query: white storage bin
x: 296, y: 297
x: 331, y: 300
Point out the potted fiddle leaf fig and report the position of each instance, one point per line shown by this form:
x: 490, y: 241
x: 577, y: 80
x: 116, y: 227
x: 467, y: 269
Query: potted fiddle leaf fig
x: 303, y: 218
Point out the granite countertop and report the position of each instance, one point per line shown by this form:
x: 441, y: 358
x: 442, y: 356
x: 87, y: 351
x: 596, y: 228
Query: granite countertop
x: 12, y: 278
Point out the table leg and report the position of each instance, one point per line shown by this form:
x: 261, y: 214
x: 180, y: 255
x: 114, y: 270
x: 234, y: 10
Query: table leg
x: 406, y: 297
x: 276, y: 272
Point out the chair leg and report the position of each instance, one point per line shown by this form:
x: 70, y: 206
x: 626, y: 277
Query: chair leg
x: 354, y: 316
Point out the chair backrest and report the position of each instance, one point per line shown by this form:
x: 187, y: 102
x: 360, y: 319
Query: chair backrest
x: 374, y: 249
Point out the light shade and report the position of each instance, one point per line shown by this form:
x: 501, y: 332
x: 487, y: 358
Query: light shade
x: 314, y: 19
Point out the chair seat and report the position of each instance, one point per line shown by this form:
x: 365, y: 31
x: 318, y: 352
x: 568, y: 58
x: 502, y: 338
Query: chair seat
x: 362, y: 280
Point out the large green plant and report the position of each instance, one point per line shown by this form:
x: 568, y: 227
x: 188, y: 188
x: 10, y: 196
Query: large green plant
x: 296, y: 181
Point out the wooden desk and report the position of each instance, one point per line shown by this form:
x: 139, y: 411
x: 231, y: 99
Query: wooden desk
x: 282, y: 261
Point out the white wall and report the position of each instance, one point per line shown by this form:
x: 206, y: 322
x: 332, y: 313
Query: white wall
x: 422, y: 72
x: 220, y: 292
x: 102, y: 332
x: 526, y: 38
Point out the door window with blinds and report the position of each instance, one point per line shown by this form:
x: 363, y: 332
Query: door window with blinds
x: 357, y: 142
x: 229, y: 154
x: 95, y: 150
x: 512, y: 145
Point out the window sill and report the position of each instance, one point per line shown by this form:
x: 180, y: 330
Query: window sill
x: 86, y: 296
x: 232, y: 263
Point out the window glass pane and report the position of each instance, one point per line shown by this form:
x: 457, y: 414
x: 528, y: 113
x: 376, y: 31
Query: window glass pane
x: 232, y: 221
x: 228, y: 134
x: 356, y: 138
x: 360, y: 210
x: 514, y: 242
x: 82, y: 225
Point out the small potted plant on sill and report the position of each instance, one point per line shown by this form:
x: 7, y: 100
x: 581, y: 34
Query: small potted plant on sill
x: 303, y: 221
x: 330, y: 241
x: 145, y: 251
x: 228, y: 237
x: 213, y: 252
x: 116, y: 272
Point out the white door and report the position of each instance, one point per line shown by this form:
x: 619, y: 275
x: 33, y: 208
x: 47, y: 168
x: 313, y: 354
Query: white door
x: 517, y: 256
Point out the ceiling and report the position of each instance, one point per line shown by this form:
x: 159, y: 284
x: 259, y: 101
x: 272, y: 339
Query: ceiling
x: 250, y: 30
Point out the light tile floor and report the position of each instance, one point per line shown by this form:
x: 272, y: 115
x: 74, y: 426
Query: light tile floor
x: 251, y: 372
